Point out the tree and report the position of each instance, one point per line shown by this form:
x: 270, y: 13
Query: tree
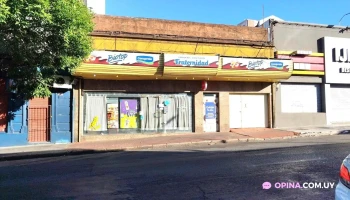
x: 4, y: 10
x: 40, y: 39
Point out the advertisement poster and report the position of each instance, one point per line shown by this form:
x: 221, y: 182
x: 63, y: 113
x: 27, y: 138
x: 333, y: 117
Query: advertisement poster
x: 210, y: 110
x: 177, y: 60
x: 128, y: 113
x: 123, y: 58
x: 256, y: 64
x: 112, y: 116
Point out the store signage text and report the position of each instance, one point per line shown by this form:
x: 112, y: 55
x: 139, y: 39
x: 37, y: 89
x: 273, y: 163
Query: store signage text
x: 123, y: 58
x: 117, y: 58
x: 210, y: 110
x: 144, y: 59
x: 344, y: 70
x: 341, y: 55
x: 179, y: 60
x: 191, y: 62
x: 255, y: 64
x: 276, y: 64
x: 337, y: 60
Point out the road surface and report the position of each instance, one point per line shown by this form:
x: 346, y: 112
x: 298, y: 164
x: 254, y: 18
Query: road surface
x: 223, y: 171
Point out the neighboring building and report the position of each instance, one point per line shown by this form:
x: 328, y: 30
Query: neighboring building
x: 264, y: 23
x: 159, y: 76
x: 318, y: 92
x: 39, y: 120
x: 259, y: 23
x: 96, y: 6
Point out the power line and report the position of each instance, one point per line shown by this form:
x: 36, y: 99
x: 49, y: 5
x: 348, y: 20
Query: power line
x: 343, y: 17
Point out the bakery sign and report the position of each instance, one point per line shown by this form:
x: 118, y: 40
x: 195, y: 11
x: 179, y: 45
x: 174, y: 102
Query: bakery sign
x: 256, y: 64
x: 337, y: 60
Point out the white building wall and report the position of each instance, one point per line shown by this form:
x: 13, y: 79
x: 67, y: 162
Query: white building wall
x: 97, y: 6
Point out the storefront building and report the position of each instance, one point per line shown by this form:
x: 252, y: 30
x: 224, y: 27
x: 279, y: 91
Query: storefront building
x: 305, y: 98
x: 299, y: 98
x: 146, y: 81
x: 188, y: 93
x: 337, y: 80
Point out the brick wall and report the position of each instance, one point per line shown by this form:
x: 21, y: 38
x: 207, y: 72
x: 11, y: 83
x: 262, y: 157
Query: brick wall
x: 179, y: 28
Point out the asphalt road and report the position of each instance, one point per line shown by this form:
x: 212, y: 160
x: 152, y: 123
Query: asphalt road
x: 211, y: 172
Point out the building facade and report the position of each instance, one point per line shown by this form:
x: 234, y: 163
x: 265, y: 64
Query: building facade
x: 175, y: 77
x: 316, y: 93
x: 37, y: 121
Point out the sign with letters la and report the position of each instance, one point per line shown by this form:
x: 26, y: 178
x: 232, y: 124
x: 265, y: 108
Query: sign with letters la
x: 337, y: 60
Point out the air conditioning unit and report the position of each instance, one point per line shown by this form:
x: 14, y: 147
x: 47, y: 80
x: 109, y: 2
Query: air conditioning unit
x: 63, y: 82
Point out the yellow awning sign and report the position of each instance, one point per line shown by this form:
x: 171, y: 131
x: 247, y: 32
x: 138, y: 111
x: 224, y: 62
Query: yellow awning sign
x: 123, y: 58
x: 190, y: 65
x: 181, y: 60
x: 257, y: 64
x: 110, y: 65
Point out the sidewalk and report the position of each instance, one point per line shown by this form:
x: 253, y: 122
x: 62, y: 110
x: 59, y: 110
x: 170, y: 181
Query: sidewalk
x: 236, y: 135
x: 163, y: 141
x: 320, y: 130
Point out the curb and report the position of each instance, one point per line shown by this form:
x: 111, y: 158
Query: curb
x: 72, y: 151
x: 57, y: 153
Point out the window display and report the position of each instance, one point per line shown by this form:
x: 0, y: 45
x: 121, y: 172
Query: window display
x: 95, y: 117
x: 112, y: 116
x: 109, y: 113
x: 129, y: 113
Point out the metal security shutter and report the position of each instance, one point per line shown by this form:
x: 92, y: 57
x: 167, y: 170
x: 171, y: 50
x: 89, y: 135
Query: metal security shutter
x: 300, y: 98
x: 340, y: 104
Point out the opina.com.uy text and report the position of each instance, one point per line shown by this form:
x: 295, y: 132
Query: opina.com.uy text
x: 297, y: 185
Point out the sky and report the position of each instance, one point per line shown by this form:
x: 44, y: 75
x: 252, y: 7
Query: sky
x: 233, y: 12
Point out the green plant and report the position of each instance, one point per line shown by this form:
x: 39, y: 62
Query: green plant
x: 40, y: 39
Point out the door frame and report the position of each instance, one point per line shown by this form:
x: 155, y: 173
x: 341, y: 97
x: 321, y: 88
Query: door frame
x: 217, y: 100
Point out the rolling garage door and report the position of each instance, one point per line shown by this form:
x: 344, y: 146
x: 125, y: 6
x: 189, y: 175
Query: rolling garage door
x: 300, y: 98
x: 340, y: 104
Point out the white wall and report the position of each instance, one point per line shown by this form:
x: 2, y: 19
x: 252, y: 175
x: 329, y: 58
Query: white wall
x: 98, y: 6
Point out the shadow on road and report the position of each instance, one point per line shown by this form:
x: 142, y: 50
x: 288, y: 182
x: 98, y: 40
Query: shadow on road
x: 174, y: 174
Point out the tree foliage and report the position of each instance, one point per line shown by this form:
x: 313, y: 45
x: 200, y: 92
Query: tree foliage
x: 4, y: 10
x: 39, y: 39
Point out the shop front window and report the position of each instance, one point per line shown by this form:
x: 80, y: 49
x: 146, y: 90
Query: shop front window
x: 96, y: 115
x: 129, y: 113
x: 137, y: 113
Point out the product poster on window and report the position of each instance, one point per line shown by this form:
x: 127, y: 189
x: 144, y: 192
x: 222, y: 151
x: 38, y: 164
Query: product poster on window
x: 112, y: 116
x: 128, y: 113
x: 210, y: 110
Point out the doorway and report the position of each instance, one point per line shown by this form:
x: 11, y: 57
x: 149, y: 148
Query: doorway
x: 39, y: 120
x: 210, y: 113
x: 248, y: 111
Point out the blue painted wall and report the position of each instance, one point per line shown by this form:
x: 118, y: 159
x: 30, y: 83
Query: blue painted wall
x: 61, y: 121
x: 17, y: 130
x: 61, y: 124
